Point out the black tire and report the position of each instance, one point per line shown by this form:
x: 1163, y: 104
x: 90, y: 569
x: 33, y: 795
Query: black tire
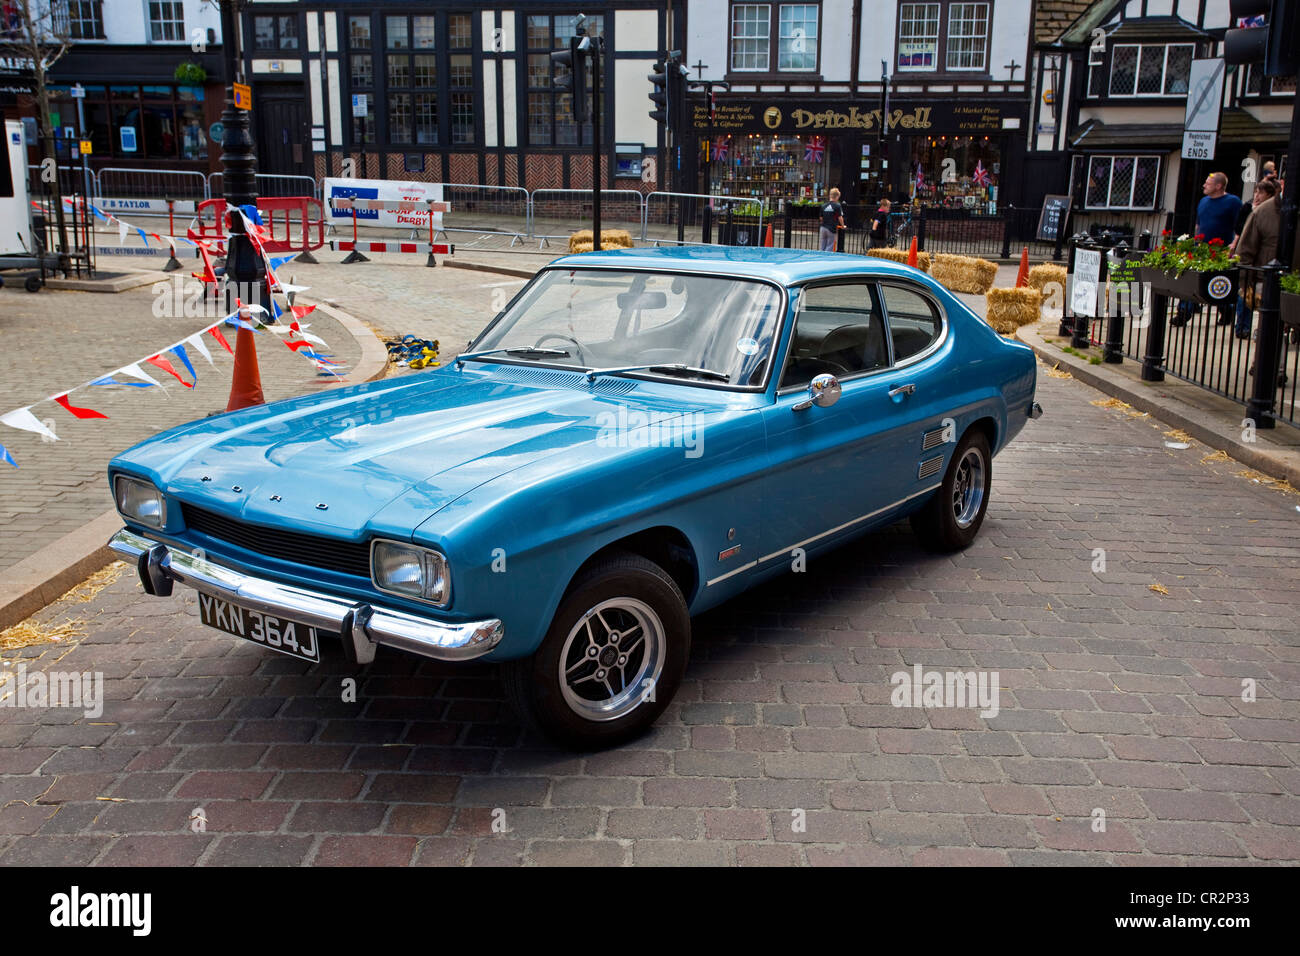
x: 625, y: 586
x: 32, y: 283
x: 951, y: 520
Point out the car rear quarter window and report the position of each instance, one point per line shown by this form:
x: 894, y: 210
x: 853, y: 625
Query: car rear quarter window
x: 914, y: 320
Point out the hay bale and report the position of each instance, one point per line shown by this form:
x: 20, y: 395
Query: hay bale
x: 963, y: 273
x: 582, y: 240
x: 1046, y: 274
x: 900, y: 255
x: 1008, y: 309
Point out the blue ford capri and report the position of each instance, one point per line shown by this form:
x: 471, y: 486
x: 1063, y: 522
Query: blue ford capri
x: 639, y: 436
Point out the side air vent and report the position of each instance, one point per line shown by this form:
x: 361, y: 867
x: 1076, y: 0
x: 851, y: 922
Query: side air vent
x: 932, y: 439
x: 930, y: 467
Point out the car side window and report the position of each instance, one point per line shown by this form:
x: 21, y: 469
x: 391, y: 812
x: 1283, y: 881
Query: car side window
x: 914, y: 320
x: 838, y: 328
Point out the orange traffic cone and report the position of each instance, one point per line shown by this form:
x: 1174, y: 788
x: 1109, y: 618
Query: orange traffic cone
x: 246, y: 383
x: 767, y: 240
x: 1022, y: 277
x: 911, y: 254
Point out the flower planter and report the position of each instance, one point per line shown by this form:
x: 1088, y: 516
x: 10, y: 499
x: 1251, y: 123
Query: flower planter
x: 1207, y: 288
x: 1291, y: 308
x: 740, y: 231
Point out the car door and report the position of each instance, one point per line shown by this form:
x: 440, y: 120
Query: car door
x: 832, y: 470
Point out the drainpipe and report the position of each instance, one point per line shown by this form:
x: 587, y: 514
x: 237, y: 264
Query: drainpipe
x: 855, y: 51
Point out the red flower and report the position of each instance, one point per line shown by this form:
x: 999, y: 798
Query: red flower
x: 1216, y: 242
x: 1166, y: 232
x: 1199, y: 236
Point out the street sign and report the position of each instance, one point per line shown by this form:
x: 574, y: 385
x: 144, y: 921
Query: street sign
x: 217, y: 131
x: 1198, y: 145
x: 243, y: 96
x: 1087, y: 276
x: 78, y: 92
x: 1204, y: 104
x: 86, y: 147
x: 360, y: 105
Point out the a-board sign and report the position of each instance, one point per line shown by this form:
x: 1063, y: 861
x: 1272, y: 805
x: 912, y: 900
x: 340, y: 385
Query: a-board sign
x: 1051, y: 221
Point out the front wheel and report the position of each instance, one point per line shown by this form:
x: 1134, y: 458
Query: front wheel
x: 612, y: 660
x: 952, y: 518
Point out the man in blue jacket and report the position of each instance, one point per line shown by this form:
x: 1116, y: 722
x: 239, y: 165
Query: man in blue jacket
x: 1216, y: 218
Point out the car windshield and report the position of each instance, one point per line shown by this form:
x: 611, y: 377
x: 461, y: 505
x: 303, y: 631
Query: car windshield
x: 608, y: 319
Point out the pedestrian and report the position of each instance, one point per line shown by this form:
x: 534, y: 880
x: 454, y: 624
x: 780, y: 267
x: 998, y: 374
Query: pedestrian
x: 880, y: 225
x: 832, y: 222
x: 1216, y: 215
x: 1257, y: 246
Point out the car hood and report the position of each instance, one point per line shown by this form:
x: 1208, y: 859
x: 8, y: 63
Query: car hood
x: 377, y: 459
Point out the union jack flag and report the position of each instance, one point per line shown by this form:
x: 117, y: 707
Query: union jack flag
x: 981, y: 175
x: 920, y: 178
x: 815, y: 150
x: 720, y: 149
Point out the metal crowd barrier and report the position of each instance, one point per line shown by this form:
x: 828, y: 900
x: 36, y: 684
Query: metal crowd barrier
x: 273, y: 185
x: 486, y: 211
x: 619, y: 208
x: 692, y: 219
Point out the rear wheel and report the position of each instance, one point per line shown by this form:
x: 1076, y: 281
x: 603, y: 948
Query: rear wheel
x: 612, y: 660
x: 952, y: 518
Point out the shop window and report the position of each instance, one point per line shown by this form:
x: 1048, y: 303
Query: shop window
x: 550, y: 113
x: 166, y: 21
x: 793, y: 32
x: 776, y: 168
x: 955, y: 35
x: 85, y: 19
x: 412, y: 80
x: 361, y: 76
x: 956, y: 172
x: 130, y: 122
x: 1150, y: 69
x: 1122, y: 182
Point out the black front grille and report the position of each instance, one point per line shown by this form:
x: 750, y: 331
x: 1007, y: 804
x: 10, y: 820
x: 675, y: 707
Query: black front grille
x: 346, y: 557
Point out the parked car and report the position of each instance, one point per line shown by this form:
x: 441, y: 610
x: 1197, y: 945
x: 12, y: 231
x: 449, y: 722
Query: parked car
x: 638, y: 436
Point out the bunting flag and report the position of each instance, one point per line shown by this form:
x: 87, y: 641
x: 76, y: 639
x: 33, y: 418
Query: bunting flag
x: 135, y: 371
x: 277, y: 261
x: 302, y: 311
x: 121, y: 232
x: 62, y: 401
x: 24, y: 419
x: 221, y: 339
x: 196, y: 340
x: 180, y: 353
x: 6, y: 457
x: 110, y: 380
x: 143, y: 236
x: 160, y: 362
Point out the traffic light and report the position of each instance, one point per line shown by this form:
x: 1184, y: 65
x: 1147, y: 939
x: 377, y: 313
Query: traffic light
x: 1272, y: 44
x: 573, y: 79
x: 659, y: 92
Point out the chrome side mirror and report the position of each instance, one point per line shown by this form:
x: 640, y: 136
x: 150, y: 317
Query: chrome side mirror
x: 823, y: 391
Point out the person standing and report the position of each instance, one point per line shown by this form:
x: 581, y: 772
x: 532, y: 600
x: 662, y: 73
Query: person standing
x: 832, y: 222
x: 1216, y: 218
x: 880, y: 225
x: 1257, y: 246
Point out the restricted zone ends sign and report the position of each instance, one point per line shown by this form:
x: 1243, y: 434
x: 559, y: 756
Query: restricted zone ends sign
x: 243, y: 94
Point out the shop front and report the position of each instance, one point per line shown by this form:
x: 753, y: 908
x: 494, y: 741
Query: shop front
x: 947, y: 153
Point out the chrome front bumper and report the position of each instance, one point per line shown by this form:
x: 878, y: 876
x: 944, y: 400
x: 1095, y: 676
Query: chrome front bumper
x: 362, y: 626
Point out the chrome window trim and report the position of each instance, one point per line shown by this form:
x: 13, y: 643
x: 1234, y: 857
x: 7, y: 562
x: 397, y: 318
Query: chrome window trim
x: 783, y: 314
x: 863, y: 279
x: 925, y: 293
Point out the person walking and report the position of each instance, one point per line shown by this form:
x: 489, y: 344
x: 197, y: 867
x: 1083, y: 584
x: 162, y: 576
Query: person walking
x: 1216, y: 217
x: 1257, y: 246
x: 832, y: 222
x: 880, y: 225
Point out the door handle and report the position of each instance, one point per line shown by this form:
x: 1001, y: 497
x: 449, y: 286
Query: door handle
x: 899, y: 391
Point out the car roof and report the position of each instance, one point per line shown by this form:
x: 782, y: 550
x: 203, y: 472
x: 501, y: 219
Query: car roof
x: 786, y: 266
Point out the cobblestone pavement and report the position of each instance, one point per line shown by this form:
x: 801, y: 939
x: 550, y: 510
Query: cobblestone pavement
x: 1121, y: 691
x: 56, y: 340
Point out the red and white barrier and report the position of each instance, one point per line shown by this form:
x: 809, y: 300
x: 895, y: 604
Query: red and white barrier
x: 380, y: 245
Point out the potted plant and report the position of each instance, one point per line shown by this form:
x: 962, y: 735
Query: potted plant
x: 740, y: 224
x: 1291, y: 298
x: 1192, y: 269
x: 190, y: 73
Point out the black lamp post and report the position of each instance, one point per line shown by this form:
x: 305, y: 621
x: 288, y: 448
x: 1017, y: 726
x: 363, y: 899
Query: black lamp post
x: 238, y: 161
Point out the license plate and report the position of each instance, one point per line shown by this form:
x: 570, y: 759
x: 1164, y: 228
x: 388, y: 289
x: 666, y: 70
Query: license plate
x: 287, y: 637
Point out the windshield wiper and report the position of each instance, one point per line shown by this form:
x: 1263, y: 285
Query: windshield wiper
x: 523, y: 350
x: 674, y: 369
